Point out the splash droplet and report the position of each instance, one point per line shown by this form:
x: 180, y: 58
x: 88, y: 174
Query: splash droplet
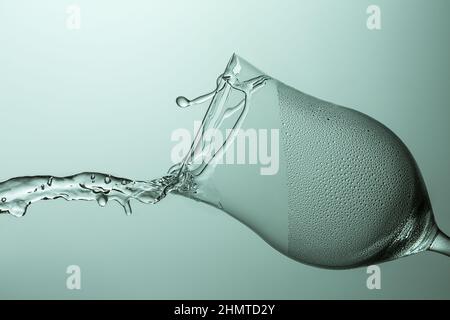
x: 42, y: 187
x: 3, y: 199
x: 102, y: 200
x: 20, y: 209
x: 126, y: 206
x: 107, y: 179
x: 183, y: 102
x: 50, y: 181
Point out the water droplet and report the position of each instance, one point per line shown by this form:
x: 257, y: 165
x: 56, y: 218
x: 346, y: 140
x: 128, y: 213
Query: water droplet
x: 19, y: 210
x: 42, y: 187
x: 183, y: 102
x: 92, y: 176
x: 3, y: 199
x: 126, y: 205
x: 102, y: 200
x: 124, y: 182
x: 50, y: 181
x: 107, y: 179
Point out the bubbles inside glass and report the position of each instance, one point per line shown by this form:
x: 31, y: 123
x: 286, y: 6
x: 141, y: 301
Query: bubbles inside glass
x: 323, y: 184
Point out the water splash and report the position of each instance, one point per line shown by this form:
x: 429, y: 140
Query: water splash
x: 17, y: 194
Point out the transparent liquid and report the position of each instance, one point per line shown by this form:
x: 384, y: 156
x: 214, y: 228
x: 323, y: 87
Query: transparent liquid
x: 17, y: 194
x: 348, y: 192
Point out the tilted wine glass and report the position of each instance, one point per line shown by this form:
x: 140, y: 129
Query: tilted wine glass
x: 346, y: 191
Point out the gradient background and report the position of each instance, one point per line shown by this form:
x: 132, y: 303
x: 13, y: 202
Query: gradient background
x: 102, y: 98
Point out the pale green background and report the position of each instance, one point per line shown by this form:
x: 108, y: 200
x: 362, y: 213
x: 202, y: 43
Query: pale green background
x: 102, y: 98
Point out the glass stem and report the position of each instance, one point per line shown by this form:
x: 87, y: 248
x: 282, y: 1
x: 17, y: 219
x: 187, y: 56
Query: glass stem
x: 441, y: 244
